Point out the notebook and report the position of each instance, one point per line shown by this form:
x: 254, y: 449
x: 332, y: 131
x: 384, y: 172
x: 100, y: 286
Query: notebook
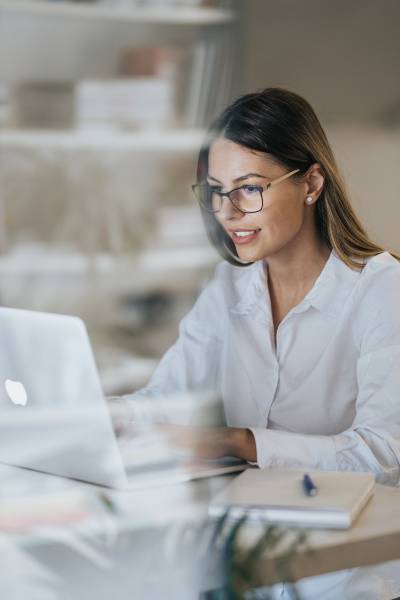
x: 277, y: 496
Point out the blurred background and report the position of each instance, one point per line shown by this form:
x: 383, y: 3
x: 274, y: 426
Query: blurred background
x: 103, y: 107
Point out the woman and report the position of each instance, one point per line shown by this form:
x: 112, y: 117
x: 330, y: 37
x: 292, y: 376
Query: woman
x: 299, y: 330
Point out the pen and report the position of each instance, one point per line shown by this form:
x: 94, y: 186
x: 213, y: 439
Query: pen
x: 309, y: 486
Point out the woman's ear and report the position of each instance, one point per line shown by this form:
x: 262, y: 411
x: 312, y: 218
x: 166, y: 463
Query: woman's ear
x: 314, y: 181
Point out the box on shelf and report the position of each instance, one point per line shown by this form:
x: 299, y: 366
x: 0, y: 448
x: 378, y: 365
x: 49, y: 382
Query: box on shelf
x: 172, y: 62
x: 42, y: 104
x: 142, y: 61
x: 135, y: 103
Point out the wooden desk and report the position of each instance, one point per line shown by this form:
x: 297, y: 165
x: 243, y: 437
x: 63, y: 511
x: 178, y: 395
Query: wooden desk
x: 374, y: 538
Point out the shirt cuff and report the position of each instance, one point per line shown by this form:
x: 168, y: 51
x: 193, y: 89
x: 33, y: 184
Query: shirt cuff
x: 293, y: 450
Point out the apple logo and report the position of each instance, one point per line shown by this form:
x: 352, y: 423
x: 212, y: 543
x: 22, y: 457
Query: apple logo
x: 16, y: 392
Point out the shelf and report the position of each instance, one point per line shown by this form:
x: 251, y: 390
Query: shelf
x: 179, y: 15
x: 173, y: 269
x: 174, y: 139
x: 150, y: 261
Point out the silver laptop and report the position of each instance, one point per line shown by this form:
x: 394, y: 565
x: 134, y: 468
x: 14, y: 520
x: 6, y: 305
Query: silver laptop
x: 55, y: 418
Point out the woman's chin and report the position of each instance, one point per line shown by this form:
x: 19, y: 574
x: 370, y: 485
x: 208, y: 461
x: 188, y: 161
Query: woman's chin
x: 247, y: 255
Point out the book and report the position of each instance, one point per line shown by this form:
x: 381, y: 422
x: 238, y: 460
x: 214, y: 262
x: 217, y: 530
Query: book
x: 277, y: 496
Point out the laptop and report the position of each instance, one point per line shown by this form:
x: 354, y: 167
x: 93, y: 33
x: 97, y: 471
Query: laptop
x: 55, y: 417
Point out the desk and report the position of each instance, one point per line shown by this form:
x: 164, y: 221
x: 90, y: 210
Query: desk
x: 374, y: 538
x: 157, y: 545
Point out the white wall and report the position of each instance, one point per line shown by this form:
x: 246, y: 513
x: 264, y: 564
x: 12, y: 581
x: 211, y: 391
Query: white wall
x: 369, y: 158
x: 344, y: 58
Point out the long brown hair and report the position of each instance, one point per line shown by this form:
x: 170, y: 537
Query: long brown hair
x: 285, y: 127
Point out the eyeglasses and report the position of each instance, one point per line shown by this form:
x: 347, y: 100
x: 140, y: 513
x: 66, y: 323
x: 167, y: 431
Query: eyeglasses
x: 247, y: 198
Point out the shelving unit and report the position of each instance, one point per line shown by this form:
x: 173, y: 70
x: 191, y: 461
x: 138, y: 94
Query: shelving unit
x: 67, y: 42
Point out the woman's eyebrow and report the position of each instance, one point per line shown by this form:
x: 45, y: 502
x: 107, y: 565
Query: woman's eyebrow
x: 241, y: 177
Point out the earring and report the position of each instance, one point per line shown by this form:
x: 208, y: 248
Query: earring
x: 309, y: 200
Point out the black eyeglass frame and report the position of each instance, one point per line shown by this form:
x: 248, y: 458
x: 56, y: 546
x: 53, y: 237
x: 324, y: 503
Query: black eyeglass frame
x: 261, y: 189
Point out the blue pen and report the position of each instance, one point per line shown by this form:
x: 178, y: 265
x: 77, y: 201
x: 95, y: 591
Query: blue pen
x: 309, y: 486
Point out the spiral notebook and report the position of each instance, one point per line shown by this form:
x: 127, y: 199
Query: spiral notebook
x: 277, y: 496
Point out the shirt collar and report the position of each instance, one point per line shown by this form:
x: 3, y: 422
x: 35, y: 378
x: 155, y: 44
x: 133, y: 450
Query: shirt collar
x: 329, y: 292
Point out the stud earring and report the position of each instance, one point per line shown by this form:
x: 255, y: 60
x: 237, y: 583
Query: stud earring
x: 309, y: 200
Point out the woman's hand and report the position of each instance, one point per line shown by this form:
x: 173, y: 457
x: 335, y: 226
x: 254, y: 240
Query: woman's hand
x: 120, y: 416
x: 211, y: 442
x: 198, y: 442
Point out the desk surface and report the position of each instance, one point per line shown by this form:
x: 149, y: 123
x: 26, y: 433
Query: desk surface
x: 374, y: 538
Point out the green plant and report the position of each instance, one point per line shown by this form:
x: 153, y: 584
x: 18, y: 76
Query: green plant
x: 243, y: 563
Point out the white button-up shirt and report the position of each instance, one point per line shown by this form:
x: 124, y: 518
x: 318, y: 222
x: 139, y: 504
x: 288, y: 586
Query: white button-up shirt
x: 328, y: 395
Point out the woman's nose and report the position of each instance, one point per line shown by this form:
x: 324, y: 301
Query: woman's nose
x: 228, y: 211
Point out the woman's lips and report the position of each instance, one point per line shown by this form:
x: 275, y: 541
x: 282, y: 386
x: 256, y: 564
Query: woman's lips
x: 244, y: 236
